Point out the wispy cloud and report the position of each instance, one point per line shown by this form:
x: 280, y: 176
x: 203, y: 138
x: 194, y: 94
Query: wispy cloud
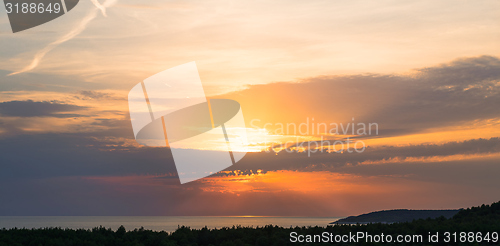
x: 39, y: 109
x: 80, y: 27
x: 101, y: 7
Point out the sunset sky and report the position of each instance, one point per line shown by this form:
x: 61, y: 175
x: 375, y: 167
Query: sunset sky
x: 426, y: 72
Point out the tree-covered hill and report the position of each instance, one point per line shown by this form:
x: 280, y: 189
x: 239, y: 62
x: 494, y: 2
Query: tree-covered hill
x: 397, y: 215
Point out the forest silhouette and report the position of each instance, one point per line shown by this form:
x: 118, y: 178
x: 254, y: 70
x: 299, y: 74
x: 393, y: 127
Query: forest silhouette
x: 484, y: 219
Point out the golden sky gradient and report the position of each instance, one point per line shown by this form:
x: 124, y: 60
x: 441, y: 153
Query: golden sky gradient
x: 427, y: 73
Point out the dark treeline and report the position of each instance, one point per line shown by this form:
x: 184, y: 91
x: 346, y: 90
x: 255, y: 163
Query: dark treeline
x: 484, y: 219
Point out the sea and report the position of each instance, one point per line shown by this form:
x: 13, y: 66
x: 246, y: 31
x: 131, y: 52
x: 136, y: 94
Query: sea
x: 157, y: 223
